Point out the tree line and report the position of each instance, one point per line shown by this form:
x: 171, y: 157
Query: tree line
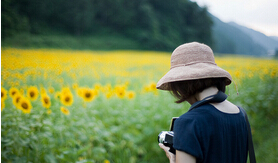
x: 158, y: 24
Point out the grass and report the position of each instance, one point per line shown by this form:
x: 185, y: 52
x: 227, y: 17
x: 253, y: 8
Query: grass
x: 93, y: 42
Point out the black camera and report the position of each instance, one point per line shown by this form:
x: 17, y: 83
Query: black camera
x: 166, y: 137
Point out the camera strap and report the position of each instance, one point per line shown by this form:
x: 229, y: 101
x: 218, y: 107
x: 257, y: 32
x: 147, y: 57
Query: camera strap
x: 252, y: 157
x: 219, y: 97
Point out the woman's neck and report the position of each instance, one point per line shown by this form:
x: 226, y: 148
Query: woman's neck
x: 205, y: 93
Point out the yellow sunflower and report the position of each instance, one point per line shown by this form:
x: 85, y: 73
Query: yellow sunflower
x: 130, y: 94
x: 153, y: 86
x: 57, y: 95
x: 13, y: 91
x: 2, y: 104
x: 43, y: 90
x: 106, y: 161
x: 51, y: 90
x: 120, y: 91
x: 49, y: 111
x: 16, y: 100
x: 25, y: 105
x: 80, y: 91
x: 66, y: 90
x: 64, y: 110
x: 147, y: 89
x: 75, y: 86
x: 88, y: 94
x: 33, y: 93
x: 3, y: 93
x: 45, y: 99
x: 21, y: 91
x: 67, y: 99
x: 97, y: 86
x: 109, y: 94
x: 106, y: 88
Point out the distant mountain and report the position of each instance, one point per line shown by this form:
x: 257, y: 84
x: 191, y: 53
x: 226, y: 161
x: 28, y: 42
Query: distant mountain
x: 229, y: 39
x: 269, y: 43
x: 274, y: 37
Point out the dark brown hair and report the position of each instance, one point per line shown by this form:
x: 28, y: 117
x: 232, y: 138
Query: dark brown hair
x: 182, y: 90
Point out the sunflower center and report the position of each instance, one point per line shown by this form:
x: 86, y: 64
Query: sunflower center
x: 46, y: 100
x: 2, y: 94
x: 67, y: 99
x: 24, y: 106
x: 13, y: 92
x: 32, y: 94
x: 17, y: 99
x: 88, y: 95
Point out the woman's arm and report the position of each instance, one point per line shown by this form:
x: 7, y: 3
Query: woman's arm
x: 180, y: 157
x: 183, y: 157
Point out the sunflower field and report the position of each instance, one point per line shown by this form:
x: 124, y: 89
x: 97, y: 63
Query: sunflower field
x: 103, y: 106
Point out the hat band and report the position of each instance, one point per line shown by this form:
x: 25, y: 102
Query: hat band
x: 191, y: 63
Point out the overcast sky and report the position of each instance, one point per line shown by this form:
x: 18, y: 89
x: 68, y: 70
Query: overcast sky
x: 260, y: 15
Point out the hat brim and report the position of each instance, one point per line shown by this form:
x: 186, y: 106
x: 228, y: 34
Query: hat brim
x: 193, y: 72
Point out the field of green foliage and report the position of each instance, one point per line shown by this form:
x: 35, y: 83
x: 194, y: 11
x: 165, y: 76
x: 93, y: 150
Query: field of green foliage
x: 97, y: 106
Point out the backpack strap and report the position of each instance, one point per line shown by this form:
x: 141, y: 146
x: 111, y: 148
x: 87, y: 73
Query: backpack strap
x: 251, y: 151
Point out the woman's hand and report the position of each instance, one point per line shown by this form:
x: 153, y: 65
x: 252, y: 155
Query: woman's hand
x: 171, y: 156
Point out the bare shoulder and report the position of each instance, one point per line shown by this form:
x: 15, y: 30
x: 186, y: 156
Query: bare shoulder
x: 226, y: 107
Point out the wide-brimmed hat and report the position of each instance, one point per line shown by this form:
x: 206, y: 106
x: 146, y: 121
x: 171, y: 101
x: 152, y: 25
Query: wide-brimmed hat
x: 192, y: 61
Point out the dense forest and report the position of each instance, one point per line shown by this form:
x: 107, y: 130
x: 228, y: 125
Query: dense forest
x: 154, y: 24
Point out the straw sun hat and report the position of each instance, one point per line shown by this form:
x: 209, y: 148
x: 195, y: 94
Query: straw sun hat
x: 192, y: 61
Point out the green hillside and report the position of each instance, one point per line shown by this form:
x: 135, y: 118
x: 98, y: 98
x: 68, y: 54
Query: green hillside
x: 148, y: 24
x: 122, y: 24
